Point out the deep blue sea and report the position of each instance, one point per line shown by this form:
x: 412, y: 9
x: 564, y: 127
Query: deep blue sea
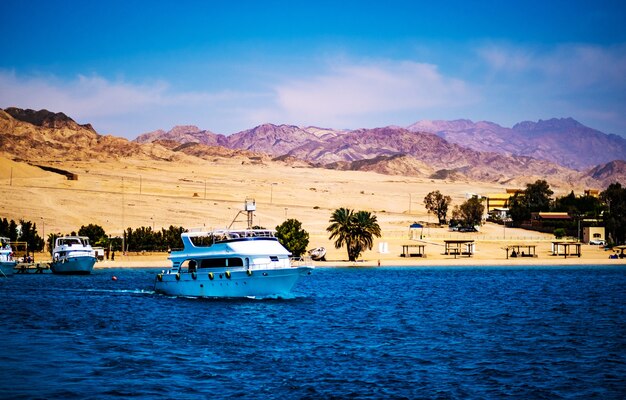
x: 432, y: 333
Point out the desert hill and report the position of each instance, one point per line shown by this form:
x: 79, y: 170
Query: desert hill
x: 43, y: 135
x: 564, y: 141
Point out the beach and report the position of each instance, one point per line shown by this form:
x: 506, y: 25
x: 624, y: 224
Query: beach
x: 488, y: 254
x: 198, y: 194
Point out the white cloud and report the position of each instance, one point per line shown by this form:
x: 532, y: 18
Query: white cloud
x: 116, y: 107
x: 84, y: 97
x: 352, y: 93
x: 570, y: 66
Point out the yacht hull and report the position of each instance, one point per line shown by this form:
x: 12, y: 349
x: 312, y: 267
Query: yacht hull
x: 7, y: 268
x: 82, y: 265
x: 231, y: 284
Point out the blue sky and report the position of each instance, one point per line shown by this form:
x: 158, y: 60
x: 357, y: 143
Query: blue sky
x: 130, y: 67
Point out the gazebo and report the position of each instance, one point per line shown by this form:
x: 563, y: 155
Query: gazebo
x: 459, y: 247
x: 413, y: 250
x: 566, y: 249
x: 521, y: 250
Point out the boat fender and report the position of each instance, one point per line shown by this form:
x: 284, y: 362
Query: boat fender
x: 194, y: 276
x: 249, y: 272
x: 160, y: 277
x: 211, y: 276
x: 227, y: 274
x: 178, y: 276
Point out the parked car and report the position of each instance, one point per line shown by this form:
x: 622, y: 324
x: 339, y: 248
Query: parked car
x: 597, y: 242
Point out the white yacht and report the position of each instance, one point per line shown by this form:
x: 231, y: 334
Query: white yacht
x: 7, y: 263
x: 231, y: 263
x: 72, y: 255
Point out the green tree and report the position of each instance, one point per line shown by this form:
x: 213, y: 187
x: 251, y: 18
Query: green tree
x: 471, y: 212
x: 437, y: 204
x: 354, y: 230
x: 518, y: 209
x: 28, y: 234
x: 291, y: 235
x: 578, y: 205
x: 538, y: 196
x: 95, y: 233
x: 614, y: 197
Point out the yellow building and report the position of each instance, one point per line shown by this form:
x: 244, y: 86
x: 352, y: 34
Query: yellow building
x: 500, y: 200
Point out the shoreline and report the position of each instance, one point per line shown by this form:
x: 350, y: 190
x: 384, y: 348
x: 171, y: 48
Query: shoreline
x: 410, y: 263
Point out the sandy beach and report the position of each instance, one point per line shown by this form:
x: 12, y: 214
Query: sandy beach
x: 200, y: 194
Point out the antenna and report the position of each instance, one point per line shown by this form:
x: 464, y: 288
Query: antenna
x: 250, y: 207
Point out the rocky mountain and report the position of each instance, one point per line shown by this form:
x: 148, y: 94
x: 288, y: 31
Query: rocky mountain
x: 399, y: 151
x: 614, y: 171
x: 46, y: 119
x: 183, y: 134
x: 563, y: 141
x: 44, y: 135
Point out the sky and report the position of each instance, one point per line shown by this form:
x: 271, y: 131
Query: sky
x: 130, y: 67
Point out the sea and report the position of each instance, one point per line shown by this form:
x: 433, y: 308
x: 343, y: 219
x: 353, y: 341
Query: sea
x: 355, y: 333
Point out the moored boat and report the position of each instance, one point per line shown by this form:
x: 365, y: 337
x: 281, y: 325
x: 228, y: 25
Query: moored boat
x: 72, y: 255
x: 318, y: 254
x: 7, y: 263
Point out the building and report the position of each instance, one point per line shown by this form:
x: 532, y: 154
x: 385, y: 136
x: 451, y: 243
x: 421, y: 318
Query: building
x: 540, y: 219
x: 500, y: 200
x: 593, y: 233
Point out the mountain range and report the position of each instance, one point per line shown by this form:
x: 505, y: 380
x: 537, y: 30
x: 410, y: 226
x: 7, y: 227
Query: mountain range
x: 562, y: 151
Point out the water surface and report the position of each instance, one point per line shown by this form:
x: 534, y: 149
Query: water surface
x: 451, y: 333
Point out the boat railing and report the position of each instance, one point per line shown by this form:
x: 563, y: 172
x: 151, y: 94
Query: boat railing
x: 300, y: 261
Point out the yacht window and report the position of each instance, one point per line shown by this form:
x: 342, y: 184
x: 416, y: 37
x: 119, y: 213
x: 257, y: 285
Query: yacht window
x: 213, y: 263
x: 274, y: 258
x: 221, y: 262
x: 235, y: 262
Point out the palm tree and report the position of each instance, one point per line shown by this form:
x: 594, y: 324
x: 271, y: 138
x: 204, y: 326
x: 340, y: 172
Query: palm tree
x: 340, y: 228
x: 354, y: 230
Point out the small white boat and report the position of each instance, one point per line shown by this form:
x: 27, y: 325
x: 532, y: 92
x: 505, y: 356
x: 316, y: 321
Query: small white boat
x: 73, y: 255
x: 7, y: 263
x: 318, y: 254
